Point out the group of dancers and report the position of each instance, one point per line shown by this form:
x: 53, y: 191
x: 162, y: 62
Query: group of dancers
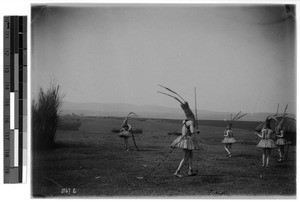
x: 267, y: 142
x: 189, y: 127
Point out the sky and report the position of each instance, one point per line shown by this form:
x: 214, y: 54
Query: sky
x: 239, y: 57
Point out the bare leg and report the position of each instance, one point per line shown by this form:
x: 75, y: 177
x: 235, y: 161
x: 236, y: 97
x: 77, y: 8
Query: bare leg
x: 279, y: 153
x: 263, y: 157
x: 226, y: 148
x: 229, y: 148
x: 126, y: 144
x: 191, y: 172
x: 268, y: 157
x: 282, y: 151
x: 182, y: 162
x: 190, y: 159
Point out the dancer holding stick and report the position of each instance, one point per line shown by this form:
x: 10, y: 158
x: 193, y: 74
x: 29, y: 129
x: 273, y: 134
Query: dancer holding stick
x: 228, y: 134
x: 185, y: 141
x: 127, y: 132
x: 280, y: 130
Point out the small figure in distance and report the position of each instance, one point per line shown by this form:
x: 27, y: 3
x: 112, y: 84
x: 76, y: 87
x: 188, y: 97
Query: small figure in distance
x: 228, y: 140
x: 281, y: 142
x: 126, y: 131
x: 228, y: 133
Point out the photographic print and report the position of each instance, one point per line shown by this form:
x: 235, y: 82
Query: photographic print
x: 163, y: 100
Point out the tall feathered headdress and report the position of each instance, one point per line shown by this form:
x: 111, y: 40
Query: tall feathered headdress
x: 235, y: 118
x: 183, y: 104
x: 125, y: 122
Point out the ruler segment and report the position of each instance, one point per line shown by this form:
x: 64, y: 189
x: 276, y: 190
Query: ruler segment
x: 25, y: 92
x: 16, y: 34
x: 6, y: 95
x: 14, y: 98
x: 13, y: 177
x: 20, y: 88
x: 25, y: 35
x: 19, y: 112
x: 6, y: 108
x: 22, y: 37
x: 21, y: 105
x: 24, y: 73
x: 12, y: 46
x: 20, y: 154
x: 12, y: 110
x: 24, y: 56
x: 25, y: 125
x: 16, y: 108
x: 6, y: 166
x: 11, y: 148
x: 24, y: 169
x: 16, y: 72
x: 6, y: 57
x: 16, y: 148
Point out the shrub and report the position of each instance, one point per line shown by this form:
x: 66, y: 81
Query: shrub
x: 45, y: 117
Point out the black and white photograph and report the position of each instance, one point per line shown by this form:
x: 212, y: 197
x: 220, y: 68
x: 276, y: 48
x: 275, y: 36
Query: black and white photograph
x: 163, y: 101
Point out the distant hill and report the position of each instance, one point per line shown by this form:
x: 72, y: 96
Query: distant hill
x: 147, y: 111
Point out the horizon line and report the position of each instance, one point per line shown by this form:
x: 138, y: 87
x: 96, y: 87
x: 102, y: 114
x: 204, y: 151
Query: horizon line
x: 124, y: 103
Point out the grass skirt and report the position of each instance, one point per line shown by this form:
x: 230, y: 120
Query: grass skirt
x: 266, y: 143
x: 228, y: 140
x: 281, y: 141
x: 186, y: 142
x: 125, y: 134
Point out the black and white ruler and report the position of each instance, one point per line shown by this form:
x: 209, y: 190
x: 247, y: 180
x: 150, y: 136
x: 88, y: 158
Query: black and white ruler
x: 15, y: 98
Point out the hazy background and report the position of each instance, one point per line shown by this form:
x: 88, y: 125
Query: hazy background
x: 238, y: 57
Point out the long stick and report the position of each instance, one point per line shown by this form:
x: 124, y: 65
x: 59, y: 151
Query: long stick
x: 287, y: 152
x: 196, y: 108
x: 284, y: 113
x: 158, y: 164
x: 134, y: 141
x: 277, y: 109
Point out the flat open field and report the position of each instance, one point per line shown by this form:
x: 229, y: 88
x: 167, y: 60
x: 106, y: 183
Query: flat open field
x: 92, y: 162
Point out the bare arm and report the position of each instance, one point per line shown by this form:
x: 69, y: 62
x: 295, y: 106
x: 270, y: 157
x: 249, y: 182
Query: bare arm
x: 183, y: 130
x: 279, y: 135
x: 129, y: 127
x: 193, y: 129
x: 259, y: 135
x: 225, y: 133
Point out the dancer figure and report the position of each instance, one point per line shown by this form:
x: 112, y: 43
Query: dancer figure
x: 228, y: 140
x: 267, y: 144
x: 185, y: 141
x: 280, y: 134
x: 281, y: 142
x: 126, y: 131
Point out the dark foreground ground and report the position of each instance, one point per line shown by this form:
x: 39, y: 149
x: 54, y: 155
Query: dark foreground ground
x: 91, y: 162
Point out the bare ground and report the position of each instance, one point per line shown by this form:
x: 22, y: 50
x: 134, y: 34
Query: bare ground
x: 92, y: 162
